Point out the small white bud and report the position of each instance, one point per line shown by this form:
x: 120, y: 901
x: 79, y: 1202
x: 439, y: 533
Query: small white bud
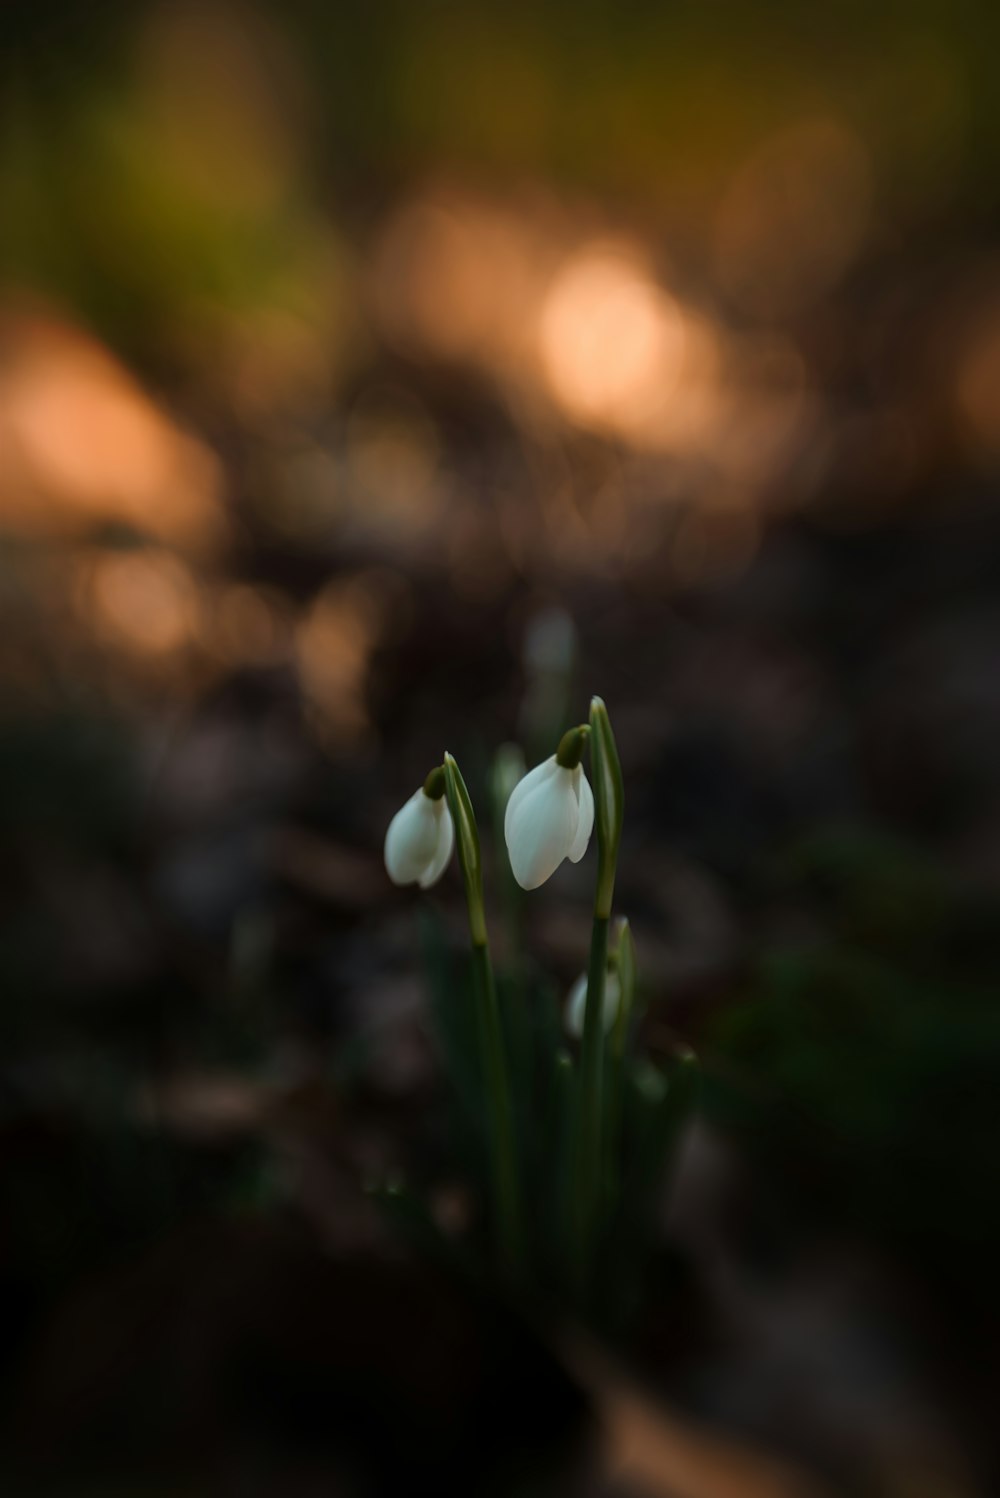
x: 419, y: 841
x: 576, y: 1004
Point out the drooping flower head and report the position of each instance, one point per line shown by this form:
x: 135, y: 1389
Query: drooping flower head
x: 420, y: 837
x: 550, y: 814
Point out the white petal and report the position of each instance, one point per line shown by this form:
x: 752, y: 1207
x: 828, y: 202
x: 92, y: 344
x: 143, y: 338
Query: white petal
x: 411, y: 840
x: 576, y: 1004
x: 541, y: 830
x: 575, y: 1007
x: 525, y: 787
x: 586, y: 824
x: 445, y: 843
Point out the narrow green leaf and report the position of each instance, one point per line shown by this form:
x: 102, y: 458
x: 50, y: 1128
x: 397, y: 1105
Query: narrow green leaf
x: 626, y: 983
x: 496, y: 1071
x: 453, y: 1021
x: 609, y: 802
x: 467, y: 840
x: 624, y: 955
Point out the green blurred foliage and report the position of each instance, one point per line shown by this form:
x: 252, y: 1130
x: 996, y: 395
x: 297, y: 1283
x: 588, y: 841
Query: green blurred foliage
x: 859, y: 1070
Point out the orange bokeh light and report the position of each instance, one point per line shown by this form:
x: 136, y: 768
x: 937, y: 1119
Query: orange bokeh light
x: 250, y: 626
x: 978, y: 385
x: 457, y: 278
x: 81, y: 444
x: 333, y: 645
x: 612, y: 341
x: 146, y: 602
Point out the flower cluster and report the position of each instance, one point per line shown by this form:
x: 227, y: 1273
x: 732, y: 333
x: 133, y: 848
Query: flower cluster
x: 568, y: 1176
x: 549, y: 818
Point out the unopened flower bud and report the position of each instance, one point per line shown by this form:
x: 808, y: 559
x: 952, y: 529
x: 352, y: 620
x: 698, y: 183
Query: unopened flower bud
x: 550, y: 815
x: 420, y: 838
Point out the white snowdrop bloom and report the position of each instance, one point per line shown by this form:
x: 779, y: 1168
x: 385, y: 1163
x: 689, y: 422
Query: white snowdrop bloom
x: 576, y: 1004
x: 420, y: 838
x: 549, y: 817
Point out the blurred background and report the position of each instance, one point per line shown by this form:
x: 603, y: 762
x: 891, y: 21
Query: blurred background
x: 380, y: 379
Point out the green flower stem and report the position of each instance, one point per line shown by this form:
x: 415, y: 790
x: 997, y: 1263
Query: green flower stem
x: 506, y: 1187
x: 624, y: 955
x: 508, y: 769
x: 589, y: 1135
x: 609, y: 806
x: 505, y: 1181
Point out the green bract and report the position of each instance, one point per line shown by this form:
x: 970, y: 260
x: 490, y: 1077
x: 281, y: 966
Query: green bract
x: 469, y: 855
x: 609, y: 803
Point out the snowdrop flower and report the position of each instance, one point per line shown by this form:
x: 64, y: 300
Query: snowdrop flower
x: 576, y: 1004
x: 550, y: 814
x: 421, y: 836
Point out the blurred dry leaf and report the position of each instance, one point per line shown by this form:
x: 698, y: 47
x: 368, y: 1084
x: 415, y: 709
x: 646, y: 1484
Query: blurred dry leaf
x: 669, y: 1457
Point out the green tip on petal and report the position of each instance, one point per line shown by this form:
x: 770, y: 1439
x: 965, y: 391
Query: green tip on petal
x: 434, y: 785
x: 571, y: 746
